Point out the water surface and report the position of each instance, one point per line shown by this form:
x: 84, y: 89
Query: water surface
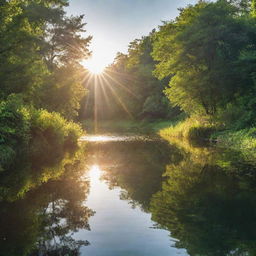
x: 132, y: 196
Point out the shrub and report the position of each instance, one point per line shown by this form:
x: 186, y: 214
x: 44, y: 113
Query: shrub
x: 200, y: 132
x: 54, y: 130
x: 14, y: 129
x: 36, y: 132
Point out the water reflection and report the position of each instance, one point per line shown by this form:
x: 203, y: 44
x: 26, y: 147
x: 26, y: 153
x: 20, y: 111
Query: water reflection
x: 109, y: 138
x: 208, y: 202
x: 140, y: 196
x: 135, y: 166
x: 205, y: 197
x: 43, y: 220
x: 117, y: 228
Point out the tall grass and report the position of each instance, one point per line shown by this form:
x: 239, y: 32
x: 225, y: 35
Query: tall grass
x: 192, y: 128
x: 243, y: 140
x: 54, y: 128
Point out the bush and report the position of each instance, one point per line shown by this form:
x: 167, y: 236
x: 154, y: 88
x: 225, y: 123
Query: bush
x: 237, y: 116
x: 50, y: 131
x: 35, y: 132
x: 14, y: 129
x: 244, y: 140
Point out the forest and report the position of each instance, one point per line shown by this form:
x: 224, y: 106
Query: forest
x: 192, y: 80
x: 39, y: 104
x: 197, y: 70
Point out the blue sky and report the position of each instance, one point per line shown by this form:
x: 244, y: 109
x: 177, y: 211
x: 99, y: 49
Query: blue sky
x: 115, y: 23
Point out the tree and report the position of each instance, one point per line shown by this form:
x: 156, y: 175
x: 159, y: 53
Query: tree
x: 38, y: 43
x: 201, y: 50
x: 130, y: 87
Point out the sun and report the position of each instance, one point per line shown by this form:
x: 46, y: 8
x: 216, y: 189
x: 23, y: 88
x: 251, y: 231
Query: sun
x: 95, y: 66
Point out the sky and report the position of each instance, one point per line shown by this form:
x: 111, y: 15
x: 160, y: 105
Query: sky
x: 115, y: 23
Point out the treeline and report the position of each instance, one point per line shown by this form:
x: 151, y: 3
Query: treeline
x: 202, y: 64
x: 41, y: 78
x: 128, y: 89
x: 209, y: 53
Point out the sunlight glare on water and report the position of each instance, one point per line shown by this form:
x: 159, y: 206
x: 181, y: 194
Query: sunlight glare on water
x: 95, y: 173
x: 109, y: 138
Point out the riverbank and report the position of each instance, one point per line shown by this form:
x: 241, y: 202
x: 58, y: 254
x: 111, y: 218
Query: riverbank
x: 198, y: 130
x: 193, y: 129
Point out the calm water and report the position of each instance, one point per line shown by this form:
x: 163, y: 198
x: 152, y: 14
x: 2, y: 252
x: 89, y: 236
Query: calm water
x: 131, y: 196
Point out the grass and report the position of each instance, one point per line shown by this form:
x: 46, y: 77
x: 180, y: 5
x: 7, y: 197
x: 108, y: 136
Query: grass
x: 192, y: 128
x: 242, y: 140
x: 197, y: 130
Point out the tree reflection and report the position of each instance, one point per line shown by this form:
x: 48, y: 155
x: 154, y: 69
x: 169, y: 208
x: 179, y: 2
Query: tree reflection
x: 135, y: 166
x: 35, y: 166
x: 208, y: 203
x: 42, y: 223
x: 205, y: 197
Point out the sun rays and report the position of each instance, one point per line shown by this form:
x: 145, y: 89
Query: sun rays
x: 104, y: 88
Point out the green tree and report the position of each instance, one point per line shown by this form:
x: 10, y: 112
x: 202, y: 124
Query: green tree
x: 202, y: 52
x: 129, y: 86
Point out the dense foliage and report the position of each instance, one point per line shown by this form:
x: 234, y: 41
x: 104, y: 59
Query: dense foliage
x: 203, y: 62
x: 38, y: 44
x: 209, y: 53
x: 128, y: 89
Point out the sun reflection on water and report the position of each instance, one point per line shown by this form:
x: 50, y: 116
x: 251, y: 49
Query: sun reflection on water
x: 95, y: 172
x: 109, y: 138
x: 96, y: 138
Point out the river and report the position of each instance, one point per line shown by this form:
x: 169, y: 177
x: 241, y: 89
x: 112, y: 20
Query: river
x: 134, y: 195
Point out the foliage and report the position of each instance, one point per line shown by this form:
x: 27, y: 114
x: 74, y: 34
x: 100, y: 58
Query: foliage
x: 128, y: 89
x: 14, y: 129
x: 208, y: 51
x: 55, y: 129
x: 243, y: 140
x: 62, y: 93
x: 39, y: 43
x: 27, y: 132
x: 39, y: 46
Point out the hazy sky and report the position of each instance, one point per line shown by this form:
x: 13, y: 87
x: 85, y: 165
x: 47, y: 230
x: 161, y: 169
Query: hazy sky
x: 115, y: 23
